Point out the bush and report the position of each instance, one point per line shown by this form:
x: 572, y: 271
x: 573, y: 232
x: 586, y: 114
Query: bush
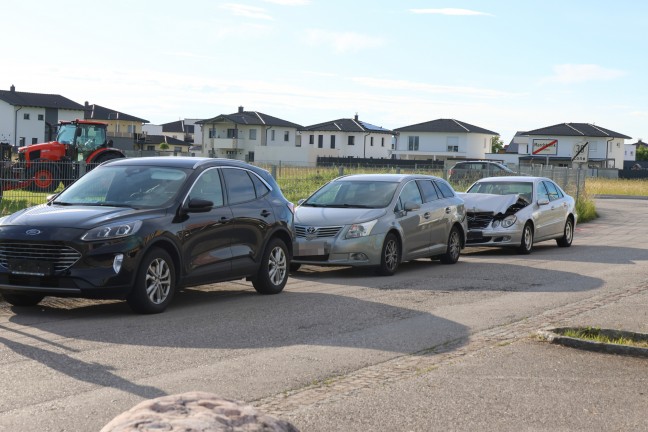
x: 585, y: 209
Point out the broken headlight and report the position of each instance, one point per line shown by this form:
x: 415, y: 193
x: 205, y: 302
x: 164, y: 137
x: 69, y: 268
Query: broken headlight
x: 507, y: 222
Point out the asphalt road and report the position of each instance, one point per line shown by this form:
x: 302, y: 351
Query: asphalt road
x: 342, y: 349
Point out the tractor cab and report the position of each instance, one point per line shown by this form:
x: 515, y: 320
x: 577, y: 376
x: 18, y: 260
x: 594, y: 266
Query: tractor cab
x: 82, y: 139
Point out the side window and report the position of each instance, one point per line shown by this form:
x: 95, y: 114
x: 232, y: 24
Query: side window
x: 208, y: 187
x: 444, y: 188
x: 259, y: 186
x: 553, y: 191
x: 429, y: 191
x: 410, y: 193
x: 542, y: 193
x: 239, y: 185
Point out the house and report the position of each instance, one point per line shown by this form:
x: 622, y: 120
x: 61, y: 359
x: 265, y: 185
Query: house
x: 630, y: 153
x: 30, y: 118
x: 151, y: 145
x: 249, y: 136
x: 122, y: 128
x: 573, y: 144
x: 186, y: 130
x: 347, y: 137
x: 442, y: 139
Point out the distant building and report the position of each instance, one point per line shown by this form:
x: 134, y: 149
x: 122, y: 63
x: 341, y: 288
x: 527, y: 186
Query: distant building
x: 185, y: 130
x: 122, y: 128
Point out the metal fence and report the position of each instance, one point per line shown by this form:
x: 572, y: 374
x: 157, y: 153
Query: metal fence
x: 27, y: 185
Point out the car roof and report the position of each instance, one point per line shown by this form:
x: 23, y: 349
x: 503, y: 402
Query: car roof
x: 504, y: 179
x: 385, y: 177
x: 179, y: 161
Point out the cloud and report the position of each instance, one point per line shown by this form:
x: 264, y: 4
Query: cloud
x: 450, y: 11
x: 289, y: 2
x: 344, y: 42
x: 577, y: 73
x: 246, y: 11
x: 431, y: 88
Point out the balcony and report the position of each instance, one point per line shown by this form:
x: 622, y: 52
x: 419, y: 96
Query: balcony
x: 224, y: 143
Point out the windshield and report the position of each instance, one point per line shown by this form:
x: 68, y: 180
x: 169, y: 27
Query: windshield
x: 87, y: 137
x: 125, y: 186
x: 359, y: 194
x: 525, y: 189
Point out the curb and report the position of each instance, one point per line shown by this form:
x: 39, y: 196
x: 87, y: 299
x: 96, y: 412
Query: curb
x: 553, y: 336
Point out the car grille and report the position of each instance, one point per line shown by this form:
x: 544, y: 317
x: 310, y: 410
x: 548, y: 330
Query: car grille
x: 316, y: 232
x: 479, y: 220
x: 61, y: 257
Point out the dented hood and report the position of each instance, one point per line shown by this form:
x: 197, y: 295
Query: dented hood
x: 481, y: 202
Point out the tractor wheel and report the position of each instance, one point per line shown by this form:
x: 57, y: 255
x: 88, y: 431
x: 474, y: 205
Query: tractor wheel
x: 44, y: 175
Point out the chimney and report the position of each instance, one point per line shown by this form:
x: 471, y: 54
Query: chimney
x: 356, y: 117
x: 241, y: 109
x: 12, y: 88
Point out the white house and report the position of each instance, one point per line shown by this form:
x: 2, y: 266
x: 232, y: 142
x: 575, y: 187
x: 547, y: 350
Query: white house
x: 346, y: 138
x: 184, y: 130
x: 30, y: 118
x: 630, y: 153
x: 250, y: 136
x: 574, y: 144
x: 442, y: 139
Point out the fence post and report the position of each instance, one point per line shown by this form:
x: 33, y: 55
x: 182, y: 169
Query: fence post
x: 578, y: 174
x: 340, y: 171
x: 274, y: 171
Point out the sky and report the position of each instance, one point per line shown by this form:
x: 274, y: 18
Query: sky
x: 503, y: 65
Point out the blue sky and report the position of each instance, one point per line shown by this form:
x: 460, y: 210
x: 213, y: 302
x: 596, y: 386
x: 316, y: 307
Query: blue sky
x: 503, y: 65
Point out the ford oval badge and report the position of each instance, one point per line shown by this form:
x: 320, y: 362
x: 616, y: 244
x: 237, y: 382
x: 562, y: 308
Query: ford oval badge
x: 33, y: 232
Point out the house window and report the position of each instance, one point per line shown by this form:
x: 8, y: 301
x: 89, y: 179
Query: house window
x: 412, y: 143
x: 320, y: 141
x: 253, y: 133
x: 21, y: 141
x: 231, y: 133
x: 332, y: 141
x: 150, y: 148
x: 272, y: 135
x: 453, y: 148
x: 287, y: 136
x: 371, y: 141
x: 34, y: 140
x: 212, y: 133
x: 311, y: 139
x: 131, y: 129
x: 352, y: 140
x: 453, y: 143
x: 41, y: 117
x: 26, y: 116
x: 382, y: 142
x: 177, y: 149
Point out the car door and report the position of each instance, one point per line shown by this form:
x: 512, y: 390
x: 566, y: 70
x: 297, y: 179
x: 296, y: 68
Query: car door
x: 543, y: 213
x: 206, y: 235
x: 415, y: 224
x: 434, y: 207
x: 557, y: 208
x: 253, y: 217
x: 449, y: 211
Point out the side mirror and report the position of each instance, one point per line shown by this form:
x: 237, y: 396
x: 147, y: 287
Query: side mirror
x: 543, y: 201
x: 197, y: 205
x: 411, y: 206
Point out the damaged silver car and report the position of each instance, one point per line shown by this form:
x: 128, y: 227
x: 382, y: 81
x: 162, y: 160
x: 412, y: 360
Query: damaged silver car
x: 518, y: 212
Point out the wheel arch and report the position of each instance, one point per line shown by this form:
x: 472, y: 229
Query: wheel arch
x: 170, y: 248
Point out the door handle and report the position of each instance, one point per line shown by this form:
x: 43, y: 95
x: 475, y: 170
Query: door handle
x: 426, y: 215
x: 448, y: 210
x: 265, y: 213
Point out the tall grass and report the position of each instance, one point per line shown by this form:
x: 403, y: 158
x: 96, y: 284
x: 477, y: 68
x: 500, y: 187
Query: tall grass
x: 602, y: 186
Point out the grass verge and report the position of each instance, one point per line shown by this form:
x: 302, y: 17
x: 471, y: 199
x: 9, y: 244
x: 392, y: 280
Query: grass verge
x: 595, y: 334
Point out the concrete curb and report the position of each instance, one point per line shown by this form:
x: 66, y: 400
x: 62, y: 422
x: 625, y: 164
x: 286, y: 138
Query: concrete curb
x: 553, y: 335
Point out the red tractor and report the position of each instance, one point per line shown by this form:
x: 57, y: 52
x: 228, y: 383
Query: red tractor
x: 48, y: 164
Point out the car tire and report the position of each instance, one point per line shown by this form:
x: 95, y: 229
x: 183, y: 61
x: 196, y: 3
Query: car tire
x: 272, y: 275
x: 526, y: 243
x: 23, y: 300
x: 389, y: 256
x: 155, y: 284
x: 453, y: 249
x: 568, y: 234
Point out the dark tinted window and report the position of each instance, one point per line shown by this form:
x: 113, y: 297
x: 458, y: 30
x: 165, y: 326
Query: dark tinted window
x: 429, y: 191
x: 259, y: 186
x: 410, y: 193
x: 542, y: 192
x: 239, y: 185
x: 208, y: 187
x: 444, y: 188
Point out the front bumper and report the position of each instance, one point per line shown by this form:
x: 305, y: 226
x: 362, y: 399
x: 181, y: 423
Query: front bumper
x: 502, y: 237
x: 337, y: 251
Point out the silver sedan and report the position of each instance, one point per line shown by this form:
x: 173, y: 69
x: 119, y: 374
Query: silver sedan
x: 518, y: 212
x: 380, y: 220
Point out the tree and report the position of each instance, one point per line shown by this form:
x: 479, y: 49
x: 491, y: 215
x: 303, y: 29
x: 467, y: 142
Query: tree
x: 496, y: 144
x: 642, y: 153
x: 164, y: 146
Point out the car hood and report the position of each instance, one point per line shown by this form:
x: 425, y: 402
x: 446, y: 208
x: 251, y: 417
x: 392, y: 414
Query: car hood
x: 327, y: 216
x: 481, y: 202
x: 74, y: 216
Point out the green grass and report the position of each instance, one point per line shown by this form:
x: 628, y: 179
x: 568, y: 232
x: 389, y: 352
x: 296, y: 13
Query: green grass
x: 594, y: 334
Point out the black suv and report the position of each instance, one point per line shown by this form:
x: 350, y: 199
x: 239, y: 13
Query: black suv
x: 470, y: 171
x: 142, y: 228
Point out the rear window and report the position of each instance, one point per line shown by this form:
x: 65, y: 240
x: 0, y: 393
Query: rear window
x: 444, y: 188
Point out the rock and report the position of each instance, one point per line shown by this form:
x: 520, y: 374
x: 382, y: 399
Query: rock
x: 195, y: 412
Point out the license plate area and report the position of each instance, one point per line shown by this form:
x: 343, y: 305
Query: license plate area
x: 475, y: 235
x: 30, y: 268
x: 310, y: 248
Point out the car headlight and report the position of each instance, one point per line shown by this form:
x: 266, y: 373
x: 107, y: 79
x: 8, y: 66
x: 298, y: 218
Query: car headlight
x: 361, y: 229
x: 112, y: 231
x: 508, y: 221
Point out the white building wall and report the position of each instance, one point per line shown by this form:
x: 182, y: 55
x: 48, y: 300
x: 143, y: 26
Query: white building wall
x: 362, y: 148
x: 6, y: 122
x: 447, y: 145
x: 598, y: 147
